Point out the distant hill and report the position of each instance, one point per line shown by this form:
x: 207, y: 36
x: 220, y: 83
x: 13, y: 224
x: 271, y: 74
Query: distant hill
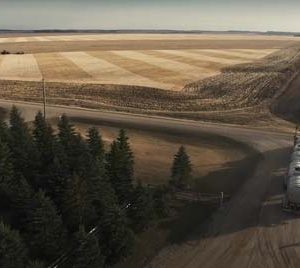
x: 128, y: 31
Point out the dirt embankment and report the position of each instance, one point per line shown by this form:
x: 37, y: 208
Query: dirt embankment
x: 287, y: 106
x: 250, y: 84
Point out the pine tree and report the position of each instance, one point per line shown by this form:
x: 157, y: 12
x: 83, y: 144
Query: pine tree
x: 141, y: 211
x: 44, y: 228
x: 127, y: 156
x: 181, y: 169
x: 35, y: 264
x: 100, y: 189
x: 66, y: 133
x: 78, y: 209
x: 4, y: 133
x: 120, y: 168
x: 44, y: 140
x: 59, y: 175
x: 101, y: 194
x: 6, y: 172
x: 21, y: 201
x: 81, y: 160
x: 24, y: 153
x: 13, y: 252
x: 87, y: 253
x: 96, y: 146
x: 115, y: 238
x: 161, y: 200
x: 16, y: 193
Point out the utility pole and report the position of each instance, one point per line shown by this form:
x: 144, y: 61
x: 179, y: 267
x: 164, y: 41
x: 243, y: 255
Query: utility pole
x: 44, y: 97
x: 221, y: 199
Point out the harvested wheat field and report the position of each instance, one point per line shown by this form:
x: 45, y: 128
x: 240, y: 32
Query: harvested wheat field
x: 183, y: 75
x: 162, y: 61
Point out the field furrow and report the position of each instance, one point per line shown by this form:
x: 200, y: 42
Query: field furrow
x: 253, y: 51
x: 7, y: 40
x: 189, y: 71
x: 40, y: 38
x: 56, y: 67
x: 21, y: 39
x: 19, y: 67
x: 167, y: 77
x: 201, y: 56
x: 151, y: 37
x: 207, y: 66
x: 103, y: 71
x: 237, y: 54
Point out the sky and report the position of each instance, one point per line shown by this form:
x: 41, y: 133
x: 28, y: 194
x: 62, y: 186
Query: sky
x: 258, y: 15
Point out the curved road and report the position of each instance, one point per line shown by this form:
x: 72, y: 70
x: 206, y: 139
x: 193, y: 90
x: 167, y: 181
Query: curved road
x: 251, y: 231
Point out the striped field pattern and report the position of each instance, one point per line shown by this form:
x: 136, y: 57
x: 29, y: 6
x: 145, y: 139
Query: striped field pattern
x: 114, y: 36
x: 166, y: 69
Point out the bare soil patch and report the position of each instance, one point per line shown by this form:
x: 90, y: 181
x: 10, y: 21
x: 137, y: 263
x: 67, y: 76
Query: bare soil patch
x: 158, y: 149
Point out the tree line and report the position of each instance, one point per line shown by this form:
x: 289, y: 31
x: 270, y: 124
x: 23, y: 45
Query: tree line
x: 60, y: 191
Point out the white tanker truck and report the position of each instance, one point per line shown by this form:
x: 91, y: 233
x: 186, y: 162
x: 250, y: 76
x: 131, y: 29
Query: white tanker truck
x: 291, y: 181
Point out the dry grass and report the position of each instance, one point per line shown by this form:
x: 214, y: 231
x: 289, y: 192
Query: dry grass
x: 55, y: 67
x: 241, y: 54
x: 142, y: 44
x: 167, y: 69
x: 19, y: 67
x: 105, y: 72
x: 161, y: 37
x: 149, y: 81
x: 241, y: 86
x: 167, y: 78
x: 159, y: 149
x: 249, y: 84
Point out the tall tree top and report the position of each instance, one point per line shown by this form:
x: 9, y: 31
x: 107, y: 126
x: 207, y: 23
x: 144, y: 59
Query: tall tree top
x: 95, y: 143
x: 66, y: 130
x: 181, y: 169
x: 15, y: 117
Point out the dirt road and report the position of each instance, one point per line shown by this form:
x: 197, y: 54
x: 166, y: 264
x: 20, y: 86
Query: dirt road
x: 251, y: 230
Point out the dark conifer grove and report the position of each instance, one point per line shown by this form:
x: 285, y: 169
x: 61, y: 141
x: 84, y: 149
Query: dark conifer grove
x: 62, y: 194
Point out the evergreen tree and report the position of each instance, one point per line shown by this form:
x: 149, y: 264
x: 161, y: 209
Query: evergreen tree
x: 6, y: 172
x: 80, y: 159
x: 44, y: 228
x: 161, y: 200
x: 120, y: 168
x: 77, y: 205
x: 66, y: 133
x: 59, y: 175
x: 87, y: 253
x: 44, y: 140
x: 35, y: 264
x: 100, y: 189
x: 181, y: 169
x: 96, y: 146
x: 21, y: 197
x: 12, y: 249
x: 24, y: 154
x: 127, y: 156
x: 16, y: 193
x: 141, y: 212
x: 76, y: 151
x: 101, y: 194
x: 4, y: 133
x: 115, y: 238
